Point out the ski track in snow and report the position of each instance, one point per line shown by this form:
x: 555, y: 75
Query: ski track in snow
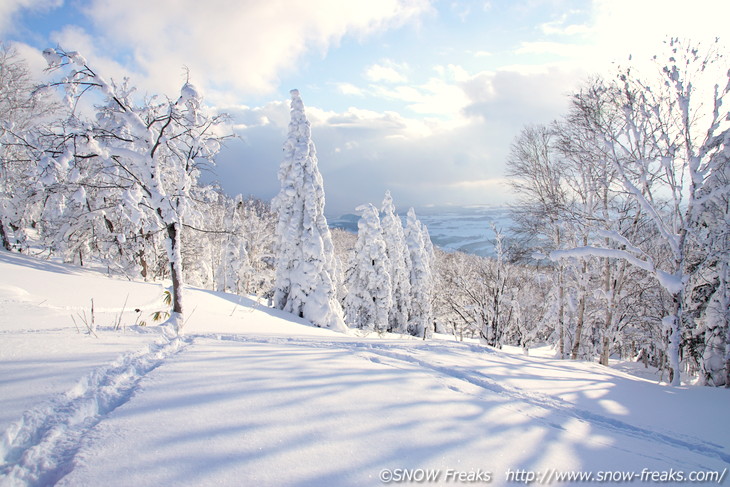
x: 554, y: 403
x: 39, y: 449
x: 483, y: 381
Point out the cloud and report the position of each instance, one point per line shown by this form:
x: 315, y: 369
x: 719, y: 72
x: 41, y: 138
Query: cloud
x: 461, y: 11
x: 623, y: 23
x: 34, y: 59
x: 624, y: 27
x: 75, y: 38
x: 447, y: 137
x: 9, y: 9
x: 559, y: 28
x: 543, y: 47
x: 520, y: 96
x: 349, y: 89
x: 563, y: 27
x: 236, y: 47
x: 387, y: 71
x: 454, y: 159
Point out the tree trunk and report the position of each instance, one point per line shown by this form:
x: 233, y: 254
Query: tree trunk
x: 675, y: 337
x: 176, y: 274
x: 561, y: 298
x: 561, y: 315
x: 605, y: 351
x: 727, y: 333
x: 579, y: 327
x: 143, y: 263
x: 4, y: 237
x: 581, y: 315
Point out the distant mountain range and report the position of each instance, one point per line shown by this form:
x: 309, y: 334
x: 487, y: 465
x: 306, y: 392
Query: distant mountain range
x: 464, y: 228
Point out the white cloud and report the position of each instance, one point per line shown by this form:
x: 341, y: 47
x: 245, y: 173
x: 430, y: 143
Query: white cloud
x: 237, y: 47
x: 546, y: 47
x: 9, y: 8
x: 75, y: 38
x: 623, y: 22
x: 519, y: 96
x: 564, y: 27
x: 435, y: 98
x: 461, y: 10
x: 387, y: 71
x: 480, y: 184
x: 551, y: 28
x: 34, y: 59
x: 455, y: 158
x: 349, y: 89
x: 623, y: 27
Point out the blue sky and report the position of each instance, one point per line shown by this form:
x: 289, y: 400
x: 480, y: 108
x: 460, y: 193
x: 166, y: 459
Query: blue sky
x: 416, y: 96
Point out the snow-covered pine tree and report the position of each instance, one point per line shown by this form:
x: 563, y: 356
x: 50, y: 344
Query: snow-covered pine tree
x: 421, y: 314
x: 369, y: 291
x: 305, y: 260
x: 400, y: 265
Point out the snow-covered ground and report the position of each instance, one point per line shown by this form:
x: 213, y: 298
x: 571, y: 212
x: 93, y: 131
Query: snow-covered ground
x: 252, y: 396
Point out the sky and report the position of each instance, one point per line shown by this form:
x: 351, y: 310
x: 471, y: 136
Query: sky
x: 419, y: 97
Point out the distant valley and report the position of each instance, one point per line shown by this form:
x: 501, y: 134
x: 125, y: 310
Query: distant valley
x: 463, y: 228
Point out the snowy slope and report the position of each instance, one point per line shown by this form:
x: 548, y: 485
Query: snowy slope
x: 251, y: 396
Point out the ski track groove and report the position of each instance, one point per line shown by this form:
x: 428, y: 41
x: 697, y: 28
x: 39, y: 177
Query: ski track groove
x: 550, y: 402
x: 38, y: 450
x: 483, y: 381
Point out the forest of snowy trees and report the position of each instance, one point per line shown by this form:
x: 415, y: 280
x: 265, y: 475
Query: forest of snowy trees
x: 620, y: 246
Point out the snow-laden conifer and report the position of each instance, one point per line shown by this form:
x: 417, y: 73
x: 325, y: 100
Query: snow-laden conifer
x: 305, y: 260
x: 400, y: 265
x: 369, y: 292
x: 421, y: 314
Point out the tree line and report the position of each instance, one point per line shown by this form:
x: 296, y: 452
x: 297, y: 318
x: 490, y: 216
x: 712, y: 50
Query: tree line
x: 620, y: 245
x: 627, y: 198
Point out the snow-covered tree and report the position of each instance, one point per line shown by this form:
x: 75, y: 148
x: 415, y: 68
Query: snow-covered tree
x: 421, y: 312
x: 147, y: 154
x: 462, y: 302
x: 21, y: 110
x: 231, y: 260
x: 538, y: 177
x: 497, y: 307
x: 400, y: 265
x: 569, y: 196
x: 665, y: 145
x: 476, y: 295
x: 368, y: 282
x: 305, y: 283
x: 708, y: 289
x: 258, y: 230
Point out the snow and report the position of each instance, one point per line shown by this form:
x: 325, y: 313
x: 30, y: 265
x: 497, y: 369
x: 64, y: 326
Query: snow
x: 253, y: 396
x: 305, y: 271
